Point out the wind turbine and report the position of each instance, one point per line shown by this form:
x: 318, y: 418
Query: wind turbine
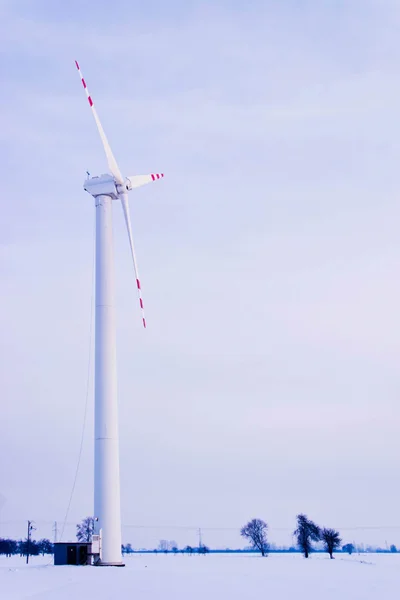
x: 105, y: 189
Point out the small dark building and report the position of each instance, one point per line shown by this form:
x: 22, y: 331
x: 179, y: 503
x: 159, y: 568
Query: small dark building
x: 72, y: 553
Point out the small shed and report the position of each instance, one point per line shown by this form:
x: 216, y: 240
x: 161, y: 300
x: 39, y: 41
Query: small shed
x: 72, y: 553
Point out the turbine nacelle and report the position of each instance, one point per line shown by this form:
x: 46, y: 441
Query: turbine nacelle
x: 102, y: 185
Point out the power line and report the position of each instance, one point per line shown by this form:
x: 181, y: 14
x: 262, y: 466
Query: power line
x: 196, y: 527
x: 87, y: 390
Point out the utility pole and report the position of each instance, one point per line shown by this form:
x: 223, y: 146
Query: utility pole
x: 200, y: 544
x: 28, y: 539
x: 55, y: 531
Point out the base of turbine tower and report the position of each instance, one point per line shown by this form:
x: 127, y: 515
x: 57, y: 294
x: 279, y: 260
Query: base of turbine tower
x: 108, y: 564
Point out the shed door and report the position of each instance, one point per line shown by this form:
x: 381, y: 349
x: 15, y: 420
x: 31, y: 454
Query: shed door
x: 71, y: 555
x: 83, y: 555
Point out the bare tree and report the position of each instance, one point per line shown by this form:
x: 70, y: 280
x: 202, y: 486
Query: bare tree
x: 85, y: 529
x: 306, y: 532
x: 127, y: 549
x: 45, y: 547
x: 331, y: 539
x: 255, y: 531
x: 348, y: 548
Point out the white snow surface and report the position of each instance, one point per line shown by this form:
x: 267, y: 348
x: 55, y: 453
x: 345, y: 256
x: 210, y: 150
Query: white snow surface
x: 216, y: 576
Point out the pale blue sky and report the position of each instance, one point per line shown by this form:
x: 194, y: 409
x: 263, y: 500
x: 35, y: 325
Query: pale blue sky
x: 269, y: 257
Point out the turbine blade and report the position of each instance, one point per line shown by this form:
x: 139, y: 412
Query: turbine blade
x: 112, y: 163
x: 135, y: 181
x: 125, y: 208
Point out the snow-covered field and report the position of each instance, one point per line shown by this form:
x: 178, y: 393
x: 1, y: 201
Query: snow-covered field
x: 222, y: 577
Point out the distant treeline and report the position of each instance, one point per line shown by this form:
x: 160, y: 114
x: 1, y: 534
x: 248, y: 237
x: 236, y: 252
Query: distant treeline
x: 11, y: 547
x: 127, y: 549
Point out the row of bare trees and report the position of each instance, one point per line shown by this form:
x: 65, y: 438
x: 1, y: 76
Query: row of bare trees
x: 10, y: 547
x: 306, y: 532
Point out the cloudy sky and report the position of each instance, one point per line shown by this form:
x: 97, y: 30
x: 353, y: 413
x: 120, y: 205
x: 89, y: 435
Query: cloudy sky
x: 268, y: 380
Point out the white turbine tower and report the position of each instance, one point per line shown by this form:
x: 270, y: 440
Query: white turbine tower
x: 105, y: 189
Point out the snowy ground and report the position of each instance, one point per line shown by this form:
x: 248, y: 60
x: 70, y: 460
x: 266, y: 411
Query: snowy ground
x: 222, y: 577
